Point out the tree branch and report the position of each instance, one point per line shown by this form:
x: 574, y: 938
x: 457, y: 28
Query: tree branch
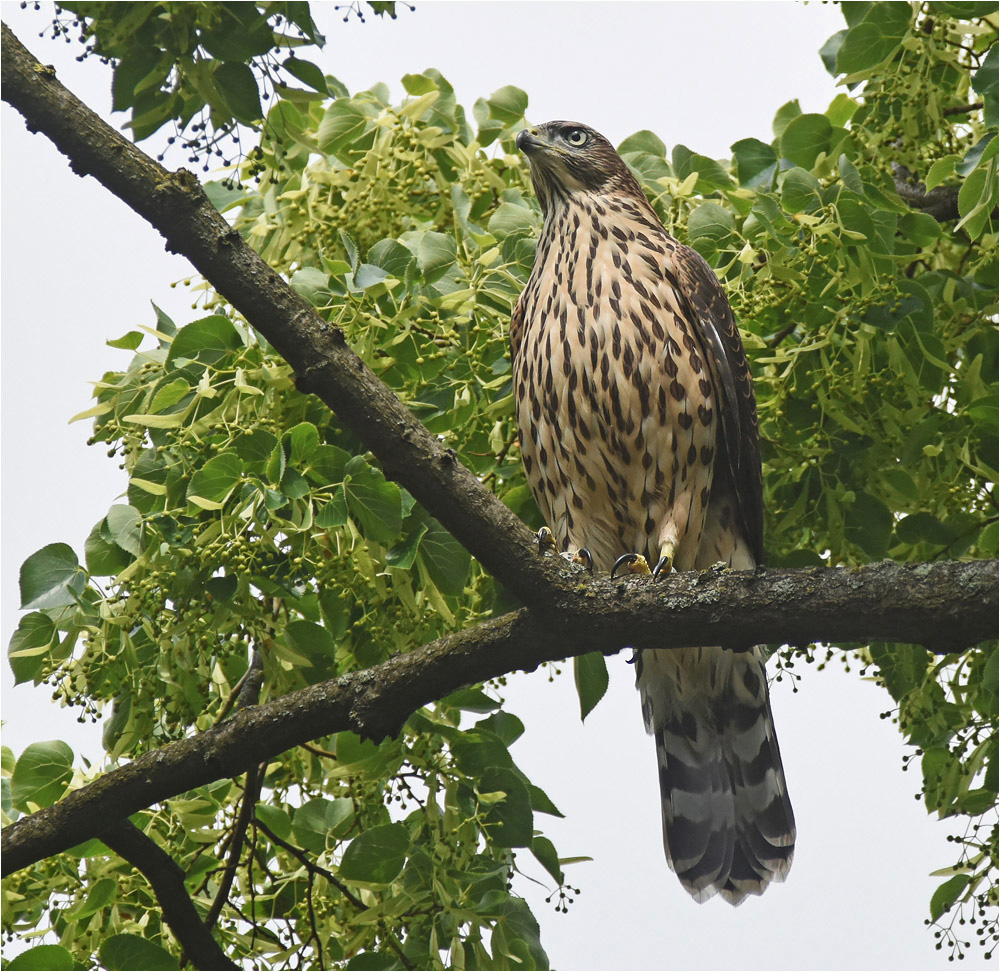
x: 167, y: 881
x: 946, y: 606
x: 941, y: 202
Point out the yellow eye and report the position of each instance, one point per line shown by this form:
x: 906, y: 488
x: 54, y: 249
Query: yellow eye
x: 576, y: 136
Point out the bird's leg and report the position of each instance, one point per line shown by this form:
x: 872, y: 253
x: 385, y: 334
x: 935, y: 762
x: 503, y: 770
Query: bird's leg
x: 631, y: 563
x: 581, y: 555
x: 666, y: 562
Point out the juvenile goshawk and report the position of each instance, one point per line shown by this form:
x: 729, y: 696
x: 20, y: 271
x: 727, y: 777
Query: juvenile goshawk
x: 638, y: 430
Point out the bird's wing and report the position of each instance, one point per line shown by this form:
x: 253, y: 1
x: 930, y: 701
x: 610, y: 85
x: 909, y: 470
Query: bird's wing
x: 709, y: 311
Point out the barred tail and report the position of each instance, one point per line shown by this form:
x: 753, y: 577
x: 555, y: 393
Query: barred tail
x: 728, y: 825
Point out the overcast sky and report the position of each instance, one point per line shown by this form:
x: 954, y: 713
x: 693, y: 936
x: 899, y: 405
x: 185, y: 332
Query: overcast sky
x: 80, y: 268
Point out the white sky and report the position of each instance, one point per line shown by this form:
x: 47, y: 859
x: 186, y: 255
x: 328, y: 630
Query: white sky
x: 79, y: 268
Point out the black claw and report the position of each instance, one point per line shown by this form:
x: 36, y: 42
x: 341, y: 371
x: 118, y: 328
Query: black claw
x: 663, y: 564
x: 623, y: 561
x: 587, y: 557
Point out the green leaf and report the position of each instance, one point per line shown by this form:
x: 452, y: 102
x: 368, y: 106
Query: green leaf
x: 508, y: 104
x: 306, y: 72
x: 127, y: 342
x: 376, y: 856
x: 275, y: 819
x: 590, y: 673
x: 169, y: 394
x: 211, y: 485
x: 42, y: 774
x: 374, y: 502
x: 255, y: 446
x: 303, y: 440
x: 920, y: 228
x: 644, y: 141
x: 545, y: 854
x: 800, y: 191
x: 510, y: 821
x: 511, y: 218
x: 315, y: 643
x: 333, y: 513
x: 710, y: 221
x: 446, y: 560
x: 805, y: 138
x: 239, y: 89
x: 367, y: 275
x: 711, y: 175
x: 756, y: 163
x: 100, y: 894
x: 435, y: 253
x: 940, y: 171
x: 788, y: 111
x: 46, y: 958
x: 50, y: 577
x: 206, y: 340
x: 868, y: 523
x: 125, y: 525
x: 903, y: 667
x: 964, y: 9
x: 125, y: 952
x: 391, y: 256
x: 34, y: 638
x: 828, y: 52
x: 947, y: 894
x: 343, y: 123
x: 920, y: 527
x: 865, y: 47
x: 985, y: 148
x: 312, y: 284
x: 319, y: 819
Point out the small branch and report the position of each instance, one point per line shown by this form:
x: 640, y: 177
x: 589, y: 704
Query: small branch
x: 167, y: 881
x: 962, y: 109
x: 945, y: 606
x: 310, y: 865
x: 251, y: 794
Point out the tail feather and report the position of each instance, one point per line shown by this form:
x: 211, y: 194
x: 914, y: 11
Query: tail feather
x: 728, y: 825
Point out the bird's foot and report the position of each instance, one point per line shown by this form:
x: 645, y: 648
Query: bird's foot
x: 631, y: 563
x: 547, y: 544
x: 582, y: 557
x: 546, y: 541
x: 666, y: 562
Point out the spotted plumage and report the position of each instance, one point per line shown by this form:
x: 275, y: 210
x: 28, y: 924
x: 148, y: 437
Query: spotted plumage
x: 638, y: 432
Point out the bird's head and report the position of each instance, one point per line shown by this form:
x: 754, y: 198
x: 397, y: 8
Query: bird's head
x: 566, y: 157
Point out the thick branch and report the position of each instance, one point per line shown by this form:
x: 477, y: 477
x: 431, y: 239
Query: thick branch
x: 945, y: 606
x: 175, y: 204
x: 941, y: 202
x: 167, y: 881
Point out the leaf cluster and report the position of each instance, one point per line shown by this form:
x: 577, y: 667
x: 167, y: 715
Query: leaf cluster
x: 204, y: 68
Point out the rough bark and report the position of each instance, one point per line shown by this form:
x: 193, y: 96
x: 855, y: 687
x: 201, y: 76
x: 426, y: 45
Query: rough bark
x: 946, y: 606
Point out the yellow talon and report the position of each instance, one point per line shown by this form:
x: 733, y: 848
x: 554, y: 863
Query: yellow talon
x: 546, y: 540
x: 666, y: 562
x: 632, y: 563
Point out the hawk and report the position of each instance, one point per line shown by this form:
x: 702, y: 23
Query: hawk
x: 638, y: 430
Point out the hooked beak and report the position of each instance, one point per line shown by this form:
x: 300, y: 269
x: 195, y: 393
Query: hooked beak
x: 528, y: 142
